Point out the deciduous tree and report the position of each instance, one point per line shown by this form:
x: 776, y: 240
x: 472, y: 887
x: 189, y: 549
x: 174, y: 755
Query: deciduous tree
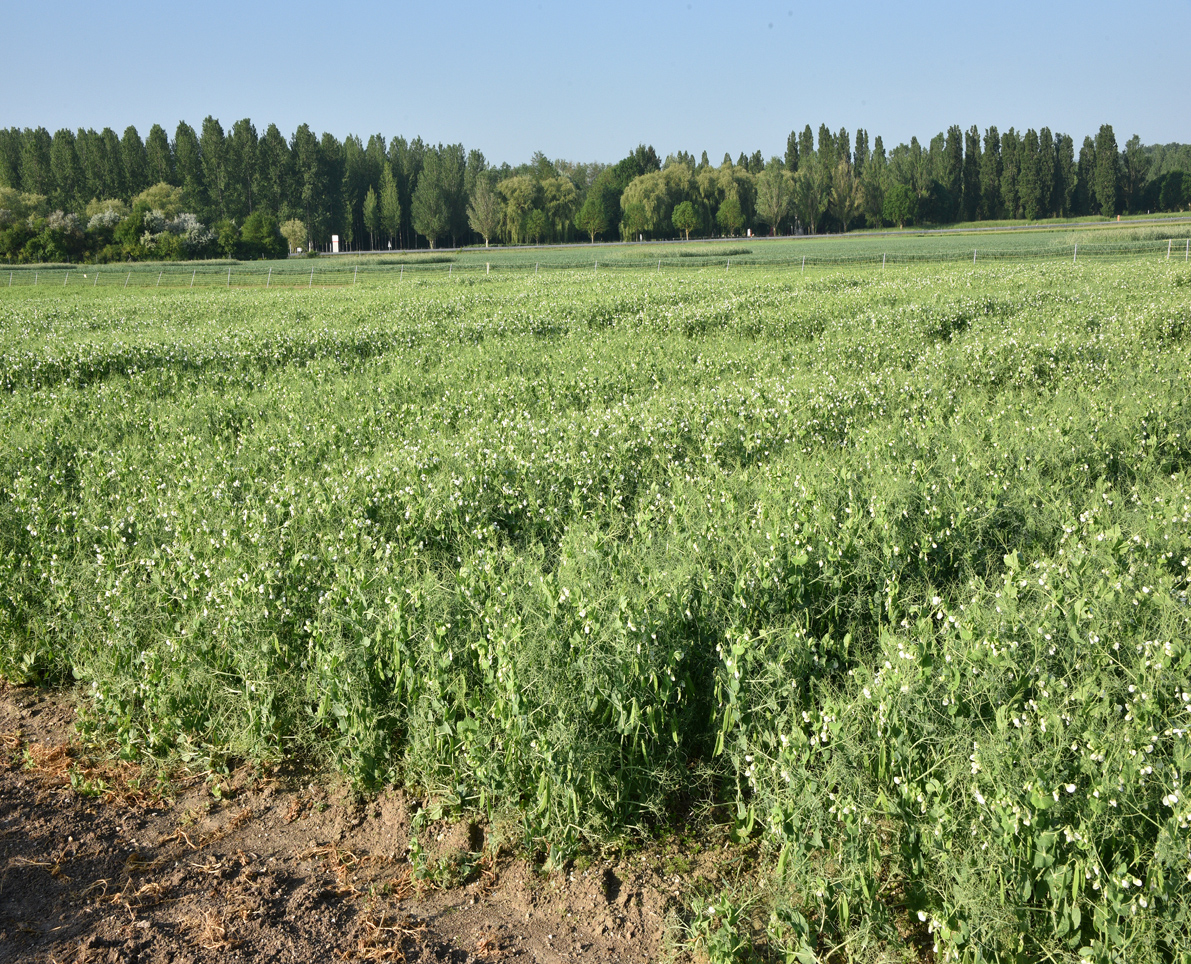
x: 685, y: 218
x: 1106, y: 178
x: 593, y: 215
x: 390, y: 202
x: 901, y: 204
x: 484, y: 214
x: 774, y: 193
x: 372, y: 217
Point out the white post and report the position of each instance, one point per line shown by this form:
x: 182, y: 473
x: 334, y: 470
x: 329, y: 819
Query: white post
x: 727, y: 264
x: 159, y: 274
x: 1075, y: 254
x: 535, y: 268
x: 1187, y: 253
x: 34, y: 279
x: 804, y: 263
x: 128, y: 279
x: 96, y: 281
x: 487, y: 267
x: 450, y: 268
x: 269, y: 280
x: 596, y: 268
x: 659, y: 265
x: 309, y: 284
x: 10, y: 279
x: 67, y: 275
x: 882, y: 261
x: 973, y: 256
x: 354, y: 276
x: 402, y: 271
x: 229, y: 276
x: 192, y: 274
x: 1169, y: 242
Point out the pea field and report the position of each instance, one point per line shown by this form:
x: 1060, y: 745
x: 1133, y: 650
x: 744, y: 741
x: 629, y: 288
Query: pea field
x: 886, y: 570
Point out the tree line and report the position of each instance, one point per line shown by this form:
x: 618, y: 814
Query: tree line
x: 96, y: 196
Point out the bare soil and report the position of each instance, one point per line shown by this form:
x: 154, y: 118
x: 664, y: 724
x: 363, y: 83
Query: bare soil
x: 100, y: 864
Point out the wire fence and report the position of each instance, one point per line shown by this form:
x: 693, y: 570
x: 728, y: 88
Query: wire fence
x: 340, y: 272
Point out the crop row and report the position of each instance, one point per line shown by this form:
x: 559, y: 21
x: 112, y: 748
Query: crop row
x: 889, y: 571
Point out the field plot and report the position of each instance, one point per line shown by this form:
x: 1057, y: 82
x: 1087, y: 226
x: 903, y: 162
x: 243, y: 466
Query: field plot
x: 886, y: 569
x: 1170, y: 243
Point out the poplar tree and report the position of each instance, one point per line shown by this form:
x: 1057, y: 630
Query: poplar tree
x: 10, y: 158
x: 213, y: 145
x: 36, y: 175
x: 1046, y: 173
x: 860, y: 155
x: 1085, y: 170
x: 806, y: 146
x: 971, y: 179
x: 189, y: 160
x: 1028, y: 184
x: 1135, y: 166
x: 159, y: 156
x: 1064, y: 174
x: 873, y: 184
x: 371, y: 217
x: 791, y: 154
x: 136, y: 165
x: 429, y: 207
x: 953, y: 167
x: 1106, y: 177
x: 271, y: 174
x: 67, y: 172
x: 242, y: 146
x: 1009, y: 173
x: 390, y: 203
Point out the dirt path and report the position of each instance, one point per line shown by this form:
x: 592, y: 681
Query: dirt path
x: 270, y: 868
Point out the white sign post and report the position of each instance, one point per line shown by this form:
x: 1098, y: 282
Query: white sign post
x: 334, y: 244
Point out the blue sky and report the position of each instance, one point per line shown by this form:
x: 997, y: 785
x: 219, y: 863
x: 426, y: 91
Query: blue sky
x: 590, y: 81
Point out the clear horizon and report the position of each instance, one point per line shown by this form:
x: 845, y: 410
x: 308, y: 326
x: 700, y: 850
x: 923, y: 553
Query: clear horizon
x: 589, y: 85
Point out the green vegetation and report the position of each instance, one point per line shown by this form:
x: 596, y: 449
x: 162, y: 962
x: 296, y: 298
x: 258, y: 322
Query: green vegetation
x: 97, y: 198
x: 887, y: 570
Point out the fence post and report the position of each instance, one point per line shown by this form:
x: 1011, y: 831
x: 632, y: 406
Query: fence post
x: 596, y: 268
x: 402, y: 271
x: 192, y: 274
x: 535, y: 268
x: 882, y: 260
x: 1169, y: 242
x: 355, y: 275
x: 727, y: 264
x: 159, y: 274
x: 67, y: 275
x: 1188, y: 251
x: 487, y: 267
x: 659, y: 265
x: 96, y: 281
x: 450, y: 269
x: 128, y: 279
x: 10, y: 279
x: 229, y: 276
x: 35, y: 279
x: 973, y: 256
x: 804, y: 262
x: 309, y: 284
x: 1075, y: 255
x: 269, y: 280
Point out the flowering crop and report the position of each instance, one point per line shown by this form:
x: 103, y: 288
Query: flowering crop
x: 894, y: 564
